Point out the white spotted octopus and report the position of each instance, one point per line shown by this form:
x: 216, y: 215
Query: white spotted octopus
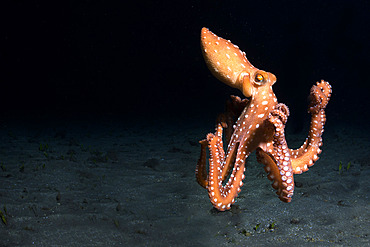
x: 260, y: 127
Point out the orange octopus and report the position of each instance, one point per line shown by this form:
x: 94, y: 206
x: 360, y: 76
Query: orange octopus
x: 254, y: 123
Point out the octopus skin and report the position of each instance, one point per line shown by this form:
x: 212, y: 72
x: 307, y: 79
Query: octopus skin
x: 255, y: 123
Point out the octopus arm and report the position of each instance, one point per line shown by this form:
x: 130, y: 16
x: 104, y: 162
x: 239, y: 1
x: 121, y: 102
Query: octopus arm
x: 307, y: 154
x: 222, y: 196
x: 277, y: 159
x: 226, y: 120
x: 233, y: 109
x: 200, y: 170
x: 273, y: 174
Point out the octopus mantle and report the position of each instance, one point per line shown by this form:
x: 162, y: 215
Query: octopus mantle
x: 256, y: 122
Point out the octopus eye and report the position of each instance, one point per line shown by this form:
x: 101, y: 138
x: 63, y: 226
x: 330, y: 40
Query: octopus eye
x: 259, y: 79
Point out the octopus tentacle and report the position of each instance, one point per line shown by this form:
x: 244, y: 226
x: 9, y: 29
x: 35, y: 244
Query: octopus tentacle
x: 223, y: 196
x: 319, y: 96
x: 226, y: 120
x: 277, y: 163
x: 307, y: 154
x: 220, y: 144
x: 200, y: 170
x: 233, y: 109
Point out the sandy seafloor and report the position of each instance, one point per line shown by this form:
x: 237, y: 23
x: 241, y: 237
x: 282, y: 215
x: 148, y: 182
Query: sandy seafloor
x: 113, y: 182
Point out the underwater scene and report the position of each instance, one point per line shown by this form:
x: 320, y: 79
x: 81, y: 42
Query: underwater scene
x: 185, y: 124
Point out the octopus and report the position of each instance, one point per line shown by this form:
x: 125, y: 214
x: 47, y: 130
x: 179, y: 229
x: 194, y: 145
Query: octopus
x: 255, y: 123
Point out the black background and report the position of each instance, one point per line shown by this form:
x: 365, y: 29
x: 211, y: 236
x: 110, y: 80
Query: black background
x: 144, y: 58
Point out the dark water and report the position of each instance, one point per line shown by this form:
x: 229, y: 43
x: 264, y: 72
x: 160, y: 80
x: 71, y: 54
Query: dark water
x: 103, y: 104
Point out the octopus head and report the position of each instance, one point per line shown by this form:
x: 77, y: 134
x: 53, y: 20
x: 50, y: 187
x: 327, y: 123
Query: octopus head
x: 230, y: 65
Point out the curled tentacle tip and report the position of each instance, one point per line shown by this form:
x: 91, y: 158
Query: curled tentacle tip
x: 319, y: 96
